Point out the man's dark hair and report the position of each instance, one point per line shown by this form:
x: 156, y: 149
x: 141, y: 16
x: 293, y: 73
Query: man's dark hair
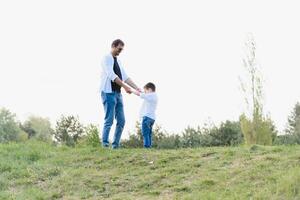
x: 150, y: 86
x: 117, y: 42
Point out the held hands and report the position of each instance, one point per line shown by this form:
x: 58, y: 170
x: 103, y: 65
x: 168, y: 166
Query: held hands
x: 130, y: 83
x: 127, y: 89
x: 136, y: 92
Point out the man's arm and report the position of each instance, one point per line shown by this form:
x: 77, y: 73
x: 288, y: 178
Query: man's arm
x: 122, y: 84
x: 128, y: 79
x: 132, y: 84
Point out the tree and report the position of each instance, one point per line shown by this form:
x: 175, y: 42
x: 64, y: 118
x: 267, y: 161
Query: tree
x: 9, y: 127
x: 229, y: 133
x: 191, y: 137
x: 257, y: 128
x: 293, y: 126
x: 38, y: 128
x: 68, y: 130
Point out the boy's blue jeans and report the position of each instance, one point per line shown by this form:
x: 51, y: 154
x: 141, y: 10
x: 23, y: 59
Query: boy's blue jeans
x: 113, y: 108
x: 147, y: 124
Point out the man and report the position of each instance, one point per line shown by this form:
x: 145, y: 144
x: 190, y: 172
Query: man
x: 113, y: 78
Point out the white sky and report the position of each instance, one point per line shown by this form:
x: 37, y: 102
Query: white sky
x: 50, y: 54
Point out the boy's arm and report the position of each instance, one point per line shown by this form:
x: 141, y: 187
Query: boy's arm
x: 147, y: 97
x: 140, y: 94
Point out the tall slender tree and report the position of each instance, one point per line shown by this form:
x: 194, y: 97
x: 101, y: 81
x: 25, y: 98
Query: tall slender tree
x: 256, y: 128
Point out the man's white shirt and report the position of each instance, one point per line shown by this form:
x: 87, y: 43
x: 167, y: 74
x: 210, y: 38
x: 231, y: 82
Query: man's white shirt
x: 108, y: 74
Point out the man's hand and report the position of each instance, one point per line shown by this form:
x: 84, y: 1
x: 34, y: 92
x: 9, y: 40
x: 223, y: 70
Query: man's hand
x: 127, y: 89
x: 123, y: 85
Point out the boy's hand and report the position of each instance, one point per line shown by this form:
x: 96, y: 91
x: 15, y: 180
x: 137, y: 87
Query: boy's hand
x: 135, y: 92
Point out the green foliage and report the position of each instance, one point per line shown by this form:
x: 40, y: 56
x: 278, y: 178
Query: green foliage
x: 169, y: 142
x: 92, y: 135
x: 258, y: 131
x: 256, y: 128
x: 159, y: 137
x: 228, y: 134
x: 38, y: 128
x: 293, y: 126
x: 191, y: 137
x: 132, y: 142
x: 9, y: 127
x: 135, y: 139
x: 22, y: 137
x: 68, y: 130
x: 286, y: 139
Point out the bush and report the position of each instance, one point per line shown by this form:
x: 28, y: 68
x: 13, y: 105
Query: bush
x: 158, y: 136
x: 22, y: 137
x: 169, y: 142
x: 287, y: 139
x: 191, y: 137
x: 38, y: 128
x: 259, y: 130
x: 92, y: 135
x: 229, y: 133
x: 9, y: 127
x: 135, y: 139
x: 132, y: 142
x: 68, y: 130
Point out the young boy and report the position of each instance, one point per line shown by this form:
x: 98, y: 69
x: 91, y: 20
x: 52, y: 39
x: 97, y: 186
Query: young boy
x: 147, y: 112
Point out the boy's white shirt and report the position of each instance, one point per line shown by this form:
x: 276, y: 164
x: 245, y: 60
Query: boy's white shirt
x: 149, y: 105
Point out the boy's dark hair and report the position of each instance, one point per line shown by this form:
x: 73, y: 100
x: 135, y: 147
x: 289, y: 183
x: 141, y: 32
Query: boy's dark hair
x: 117, y: 42
x: 150, y: 86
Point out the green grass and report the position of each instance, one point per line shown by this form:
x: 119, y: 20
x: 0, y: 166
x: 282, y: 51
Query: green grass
x: 35, y: 170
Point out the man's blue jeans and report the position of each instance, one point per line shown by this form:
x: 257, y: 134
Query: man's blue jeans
x: 113, y: 108
x: 147, y: 125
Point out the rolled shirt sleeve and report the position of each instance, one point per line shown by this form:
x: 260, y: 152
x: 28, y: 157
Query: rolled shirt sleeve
x: 124, y: 75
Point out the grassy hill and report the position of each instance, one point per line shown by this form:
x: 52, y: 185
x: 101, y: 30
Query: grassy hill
x: 35, y: 170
